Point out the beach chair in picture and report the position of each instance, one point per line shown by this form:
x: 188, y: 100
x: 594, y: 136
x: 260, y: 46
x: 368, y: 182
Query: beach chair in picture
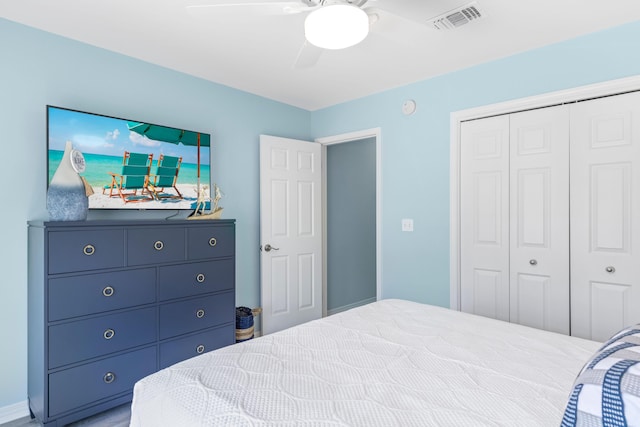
x: 131, y: 183
x: 165, y: 177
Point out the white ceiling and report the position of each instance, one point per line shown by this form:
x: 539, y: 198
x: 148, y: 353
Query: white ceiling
x: 256, y: 52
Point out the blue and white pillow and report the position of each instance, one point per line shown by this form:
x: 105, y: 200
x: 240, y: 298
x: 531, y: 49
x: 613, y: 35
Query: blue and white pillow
x: 607, y: 390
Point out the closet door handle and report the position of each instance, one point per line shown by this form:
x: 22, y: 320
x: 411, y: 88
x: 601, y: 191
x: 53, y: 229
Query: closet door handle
x: 610, y: 269
x: 533, y: 262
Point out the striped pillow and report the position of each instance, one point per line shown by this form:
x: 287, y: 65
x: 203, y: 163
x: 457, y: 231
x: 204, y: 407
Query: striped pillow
x: 607, y: 390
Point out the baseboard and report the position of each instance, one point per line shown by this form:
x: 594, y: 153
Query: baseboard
x: 350, y: 306
x: 14, y: 412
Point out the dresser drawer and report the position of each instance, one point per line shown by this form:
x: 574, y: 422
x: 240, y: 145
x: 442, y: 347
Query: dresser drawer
x: 210, y: 242
x: 195, y: 314
x: 85, y: 250
x: 180, y: 349
x: 76, y: 341
x: 79, y: 295
x: 154, y: 245
x: 196, y: 278
x: 75, y: 387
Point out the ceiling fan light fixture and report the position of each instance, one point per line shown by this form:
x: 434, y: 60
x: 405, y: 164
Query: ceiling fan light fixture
x: 336, y: 26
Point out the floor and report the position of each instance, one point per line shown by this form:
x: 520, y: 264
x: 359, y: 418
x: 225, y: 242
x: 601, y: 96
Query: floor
x: 116, y: 417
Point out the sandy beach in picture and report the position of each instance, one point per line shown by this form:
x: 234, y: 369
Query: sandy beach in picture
x: 102, y: 201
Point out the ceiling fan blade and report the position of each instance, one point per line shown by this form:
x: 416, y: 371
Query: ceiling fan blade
x: 251, y: 7
x: 308, y: 56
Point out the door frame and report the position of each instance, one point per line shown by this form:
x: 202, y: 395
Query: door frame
x: 375, y: 133
x: 580, y: 93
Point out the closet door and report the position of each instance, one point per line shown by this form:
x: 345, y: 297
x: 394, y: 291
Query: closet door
x: 605, y: 215
x: 484, y: 222
x: 539, y: 218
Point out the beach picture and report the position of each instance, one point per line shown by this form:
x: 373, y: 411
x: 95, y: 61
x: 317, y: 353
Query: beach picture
x: 129, y: 164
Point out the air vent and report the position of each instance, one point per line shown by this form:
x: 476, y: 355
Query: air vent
x: 457, y: 17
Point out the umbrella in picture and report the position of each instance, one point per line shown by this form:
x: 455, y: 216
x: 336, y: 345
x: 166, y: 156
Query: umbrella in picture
x: 173, y: 136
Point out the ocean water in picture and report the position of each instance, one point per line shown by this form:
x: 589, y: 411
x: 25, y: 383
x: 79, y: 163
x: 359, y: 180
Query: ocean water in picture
x: 98, y: 168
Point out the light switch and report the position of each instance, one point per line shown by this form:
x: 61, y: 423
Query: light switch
x: 407, y: 224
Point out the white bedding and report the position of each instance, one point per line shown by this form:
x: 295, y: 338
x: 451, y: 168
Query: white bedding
x: 389, y: 363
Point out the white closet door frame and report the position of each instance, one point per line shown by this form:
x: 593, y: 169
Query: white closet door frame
x: 545, y: 100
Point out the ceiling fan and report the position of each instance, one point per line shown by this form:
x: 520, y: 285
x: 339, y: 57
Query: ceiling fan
x: 330, y: 24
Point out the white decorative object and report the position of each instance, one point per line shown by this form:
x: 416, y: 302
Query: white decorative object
x: 66, y: 197
x: 203, y: 197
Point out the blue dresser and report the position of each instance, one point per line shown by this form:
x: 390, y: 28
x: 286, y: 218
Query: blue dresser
x: 113, y: 301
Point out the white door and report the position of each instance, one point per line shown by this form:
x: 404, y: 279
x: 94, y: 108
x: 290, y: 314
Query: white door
x: 539, y: 218
x: 484, y: 217
x: 605, y: 215
x: 290, y: 232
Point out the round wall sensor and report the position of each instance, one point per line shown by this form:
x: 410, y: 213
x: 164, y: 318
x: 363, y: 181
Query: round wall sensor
x: 408, y: 107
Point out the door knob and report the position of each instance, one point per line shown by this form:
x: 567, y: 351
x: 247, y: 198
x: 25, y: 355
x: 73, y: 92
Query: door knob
x: 268, y: 248
x: 533, y: 262
x: 610, y: 269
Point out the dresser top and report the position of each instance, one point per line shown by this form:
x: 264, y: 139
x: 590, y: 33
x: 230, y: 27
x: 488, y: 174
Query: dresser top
x: 130, y: 222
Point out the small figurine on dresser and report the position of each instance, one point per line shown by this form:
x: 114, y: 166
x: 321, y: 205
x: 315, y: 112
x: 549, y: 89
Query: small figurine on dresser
x: 201, y: 205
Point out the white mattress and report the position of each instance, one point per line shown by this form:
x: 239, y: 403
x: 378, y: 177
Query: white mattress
x: 389, y: 363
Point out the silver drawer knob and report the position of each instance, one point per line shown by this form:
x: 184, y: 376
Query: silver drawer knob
x: 158, y: 245
x: 610, y: 269
x: 200, y: 314
x: 108, y: 291
x: 108, y: 334
x: 109, y: 377
x: 200, y: 349
x: 200, y: 278
x: 533, y: 262
x: 213, y: 242
x: 89, y: 250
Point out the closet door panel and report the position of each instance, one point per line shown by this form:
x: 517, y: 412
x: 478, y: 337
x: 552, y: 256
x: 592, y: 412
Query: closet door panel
x: 532, y: 300
x: 611, y: 304
x: 484, y: 231
x: 539, y: 218
x: 605, y: 215
x: 487, y: 289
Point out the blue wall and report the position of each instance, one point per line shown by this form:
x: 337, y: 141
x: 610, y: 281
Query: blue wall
x: 415, y: 149
x: 351, y: 219
x: 39, y: 68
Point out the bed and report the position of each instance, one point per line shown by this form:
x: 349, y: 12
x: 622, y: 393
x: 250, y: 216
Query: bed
x: 389, y: 363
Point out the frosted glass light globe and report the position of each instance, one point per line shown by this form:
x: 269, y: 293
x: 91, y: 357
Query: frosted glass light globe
x: 336, y: 26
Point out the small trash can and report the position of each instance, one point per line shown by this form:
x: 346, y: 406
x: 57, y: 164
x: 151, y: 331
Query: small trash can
x: 244, y: 324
